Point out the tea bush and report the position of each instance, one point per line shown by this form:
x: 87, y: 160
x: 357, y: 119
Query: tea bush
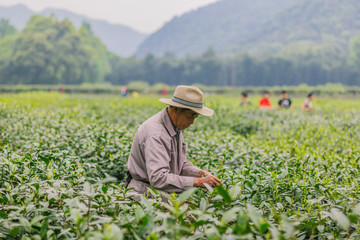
x: 286, y: 174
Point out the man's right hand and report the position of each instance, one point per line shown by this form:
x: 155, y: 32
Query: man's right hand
x: 210, y: 180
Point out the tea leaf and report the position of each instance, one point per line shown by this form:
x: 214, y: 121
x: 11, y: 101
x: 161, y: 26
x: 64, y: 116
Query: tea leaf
x: 340, y: 218
x: 186, y: 195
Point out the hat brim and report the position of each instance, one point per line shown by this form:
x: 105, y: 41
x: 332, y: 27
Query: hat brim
x: 207, y: 112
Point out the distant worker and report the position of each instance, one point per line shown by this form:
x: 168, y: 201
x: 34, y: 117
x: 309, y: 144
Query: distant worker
x: 307, y: 104
x: 158, y: 154
x: 163, y: 91
x: 285, y: 102
x: 61, y: 89
x: 244, y: 100
x: 123, y: 91
x: 264, y: 101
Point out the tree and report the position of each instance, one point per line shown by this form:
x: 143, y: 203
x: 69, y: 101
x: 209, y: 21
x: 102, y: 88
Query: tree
x: 354, y: 55
x: 48, y: 51
x: 354, y: 59
x: 124, y: 70
x: 6, y: 29
x: 99, y: 56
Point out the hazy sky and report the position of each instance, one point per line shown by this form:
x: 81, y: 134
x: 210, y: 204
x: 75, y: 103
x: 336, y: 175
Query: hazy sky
x: 142, y: 15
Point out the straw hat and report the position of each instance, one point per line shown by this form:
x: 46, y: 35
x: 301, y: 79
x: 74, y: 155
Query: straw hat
x: 189, y: 97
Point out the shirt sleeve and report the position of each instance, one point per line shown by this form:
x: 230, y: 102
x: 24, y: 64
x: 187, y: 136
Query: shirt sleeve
x: 189, y: 169
x: 157, y: 162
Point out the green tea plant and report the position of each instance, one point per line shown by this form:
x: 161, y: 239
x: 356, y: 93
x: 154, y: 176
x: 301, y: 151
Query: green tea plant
x: 286, y: 174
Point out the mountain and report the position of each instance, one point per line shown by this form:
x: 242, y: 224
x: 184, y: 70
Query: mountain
x: 257, y: 26
x: 217, y: 25
x: 18, y: 15
x: 118, y: 38
x: 317, y: 22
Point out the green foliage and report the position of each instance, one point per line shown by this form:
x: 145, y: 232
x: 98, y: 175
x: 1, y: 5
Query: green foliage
x: 62, y: 166
x: 98, y: 53
x: 337, y: 90
x: 48, y: 51
x: 311, y: 66
x: 139, y: 86
x: 257, y: 43
x: 6, y: 29
x: 318, y: 22
x: 355, y: 52
x: 257, y: 27
x: 221, y: 26
x: 118, y: 38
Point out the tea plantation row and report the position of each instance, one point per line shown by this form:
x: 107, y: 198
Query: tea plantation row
x: 286, y: 174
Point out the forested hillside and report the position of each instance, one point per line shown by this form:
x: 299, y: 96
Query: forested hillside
x: 312, y: 68
x: 118, y: 38
x: 53, y: 51
x: 218, y: 25
x: 329, y: 23
x: 48, y: 51
x: 238, y: 26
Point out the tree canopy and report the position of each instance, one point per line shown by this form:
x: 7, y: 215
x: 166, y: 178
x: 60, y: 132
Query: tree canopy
x: 49, y: 51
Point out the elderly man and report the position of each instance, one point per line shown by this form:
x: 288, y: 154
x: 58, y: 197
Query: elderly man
x: 158, y: 154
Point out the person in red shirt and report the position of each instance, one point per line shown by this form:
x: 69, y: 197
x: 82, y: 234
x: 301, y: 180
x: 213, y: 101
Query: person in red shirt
x: 163, y: 91
x: 264, y: 101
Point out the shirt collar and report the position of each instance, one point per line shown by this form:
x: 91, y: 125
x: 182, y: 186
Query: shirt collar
x: 165, y: 118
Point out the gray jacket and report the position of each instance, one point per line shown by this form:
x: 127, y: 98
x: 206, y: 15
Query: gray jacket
x: 154, y: 158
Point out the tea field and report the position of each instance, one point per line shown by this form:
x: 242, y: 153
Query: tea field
x: 287, y: 174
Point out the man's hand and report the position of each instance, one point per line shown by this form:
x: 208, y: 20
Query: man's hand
x: 208, y: 179
x: 204, y: 173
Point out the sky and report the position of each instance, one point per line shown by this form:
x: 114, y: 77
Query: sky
x: 145, y: 16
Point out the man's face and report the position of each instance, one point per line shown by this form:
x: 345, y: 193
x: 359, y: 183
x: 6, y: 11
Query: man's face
x: 266, y: 95
x: 284, y: 95
x: 185, y: 119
